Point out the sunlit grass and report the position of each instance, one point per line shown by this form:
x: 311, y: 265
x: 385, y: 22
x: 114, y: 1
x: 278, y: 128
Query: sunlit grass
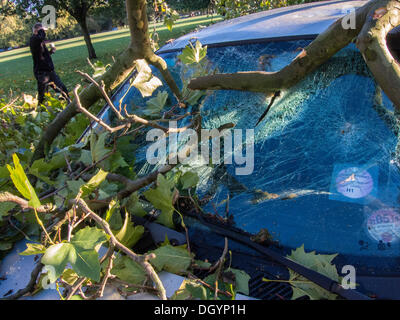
x: 16, y: 66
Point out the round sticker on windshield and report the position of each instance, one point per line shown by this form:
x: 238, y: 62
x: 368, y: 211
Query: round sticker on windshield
x: 354, y: 183
x: 384, y: 225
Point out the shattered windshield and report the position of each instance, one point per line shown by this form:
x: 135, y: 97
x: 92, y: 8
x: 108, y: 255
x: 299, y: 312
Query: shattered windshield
x: 325, y: 172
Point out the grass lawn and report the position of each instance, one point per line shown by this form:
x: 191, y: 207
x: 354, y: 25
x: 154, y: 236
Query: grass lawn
x: 16, y: 66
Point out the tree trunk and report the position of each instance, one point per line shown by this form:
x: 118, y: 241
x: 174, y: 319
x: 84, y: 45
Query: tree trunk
x: 140, y: 41
x: 86, y: 35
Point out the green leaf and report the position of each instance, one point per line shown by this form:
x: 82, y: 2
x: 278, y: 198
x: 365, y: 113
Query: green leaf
x: 134, y: 206
x: 161, y: 198
x: 107, y: 190
x: 88, y: 238
x: 114, y: 162
x: 145, y: 82
x: 93, y: 183
x: 86, y: 157
x: 193, y: 96
x: 5, y: 207
x: 128, y: 270
x: 22, y: 183
x: 113, y: 205
x: 4, y: 173
x: 156, y: 104
x: 56, y: 162
x: 75, y: 185
x: 97, y: 146
x: 33, y: 249
x: 193, y: 54
x: 170, y: 19
x: 241, y: 281
x: 189, y: 180
x: 113, y: 216
x: 190, y: 289
x: 129, y: 235
x: 80, y: 253
x: 70, y: 276
x: 317, y: 262
x: 172, y: 259
x: 99, y: 68
x: 203, y: 264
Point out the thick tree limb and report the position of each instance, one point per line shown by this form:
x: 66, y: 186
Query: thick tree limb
x: 316, y: 53
x: 382, y: 18
x: 140, y: 41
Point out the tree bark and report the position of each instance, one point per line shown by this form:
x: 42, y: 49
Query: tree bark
x: 140, y: 41
x: 86, y: 35
x: 371, y: 41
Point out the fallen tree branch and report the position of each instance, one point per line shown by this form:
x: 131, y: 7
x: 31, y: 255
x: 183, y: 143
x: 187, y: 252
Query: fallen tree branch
x: 315, y: 54
x: 141, y: 259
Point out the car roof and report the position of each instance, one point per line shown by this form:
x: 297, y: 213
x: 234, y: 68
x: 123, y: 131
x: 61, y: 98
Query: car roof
x: 294, y: 22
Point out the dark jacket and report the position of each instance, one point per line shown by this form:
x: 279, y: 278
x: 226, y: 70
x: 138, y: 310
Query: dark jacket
x: 42, y: 61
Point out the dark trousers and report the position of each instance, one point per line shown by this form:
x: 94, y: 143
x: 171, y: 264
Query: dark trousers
x: 46, y: 79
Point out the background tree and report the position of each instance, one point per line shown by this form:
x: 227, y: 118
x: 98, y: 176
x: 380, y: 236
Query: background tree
x: 78, y: 9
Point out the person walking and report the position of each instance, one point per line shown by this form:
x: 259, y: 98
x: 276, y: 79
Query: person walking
x: 43, y: 67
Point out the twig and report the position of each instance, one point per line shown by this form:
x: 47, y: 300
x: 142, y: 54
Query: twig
x: 103, y: 92
x: 209, y: 286
x: 93, y: 117
x: 138, y: 286
x: 142, y: 260
x: 219, y: 269
x: 76, y: 287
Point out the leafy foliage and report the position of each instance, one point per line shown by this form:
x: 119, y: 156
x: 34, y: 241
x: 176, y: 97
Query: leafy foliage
x: 128, y: 270
x: 129, y: 235
x: 161, y: 198
x: 81, y: 170
x: 318, y: 262
x: 193, y: 54
x: 33, y: 249
x: 172, y: 259
x: 156, y: 104
x: 79, y: 252
x: 22, y: 183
